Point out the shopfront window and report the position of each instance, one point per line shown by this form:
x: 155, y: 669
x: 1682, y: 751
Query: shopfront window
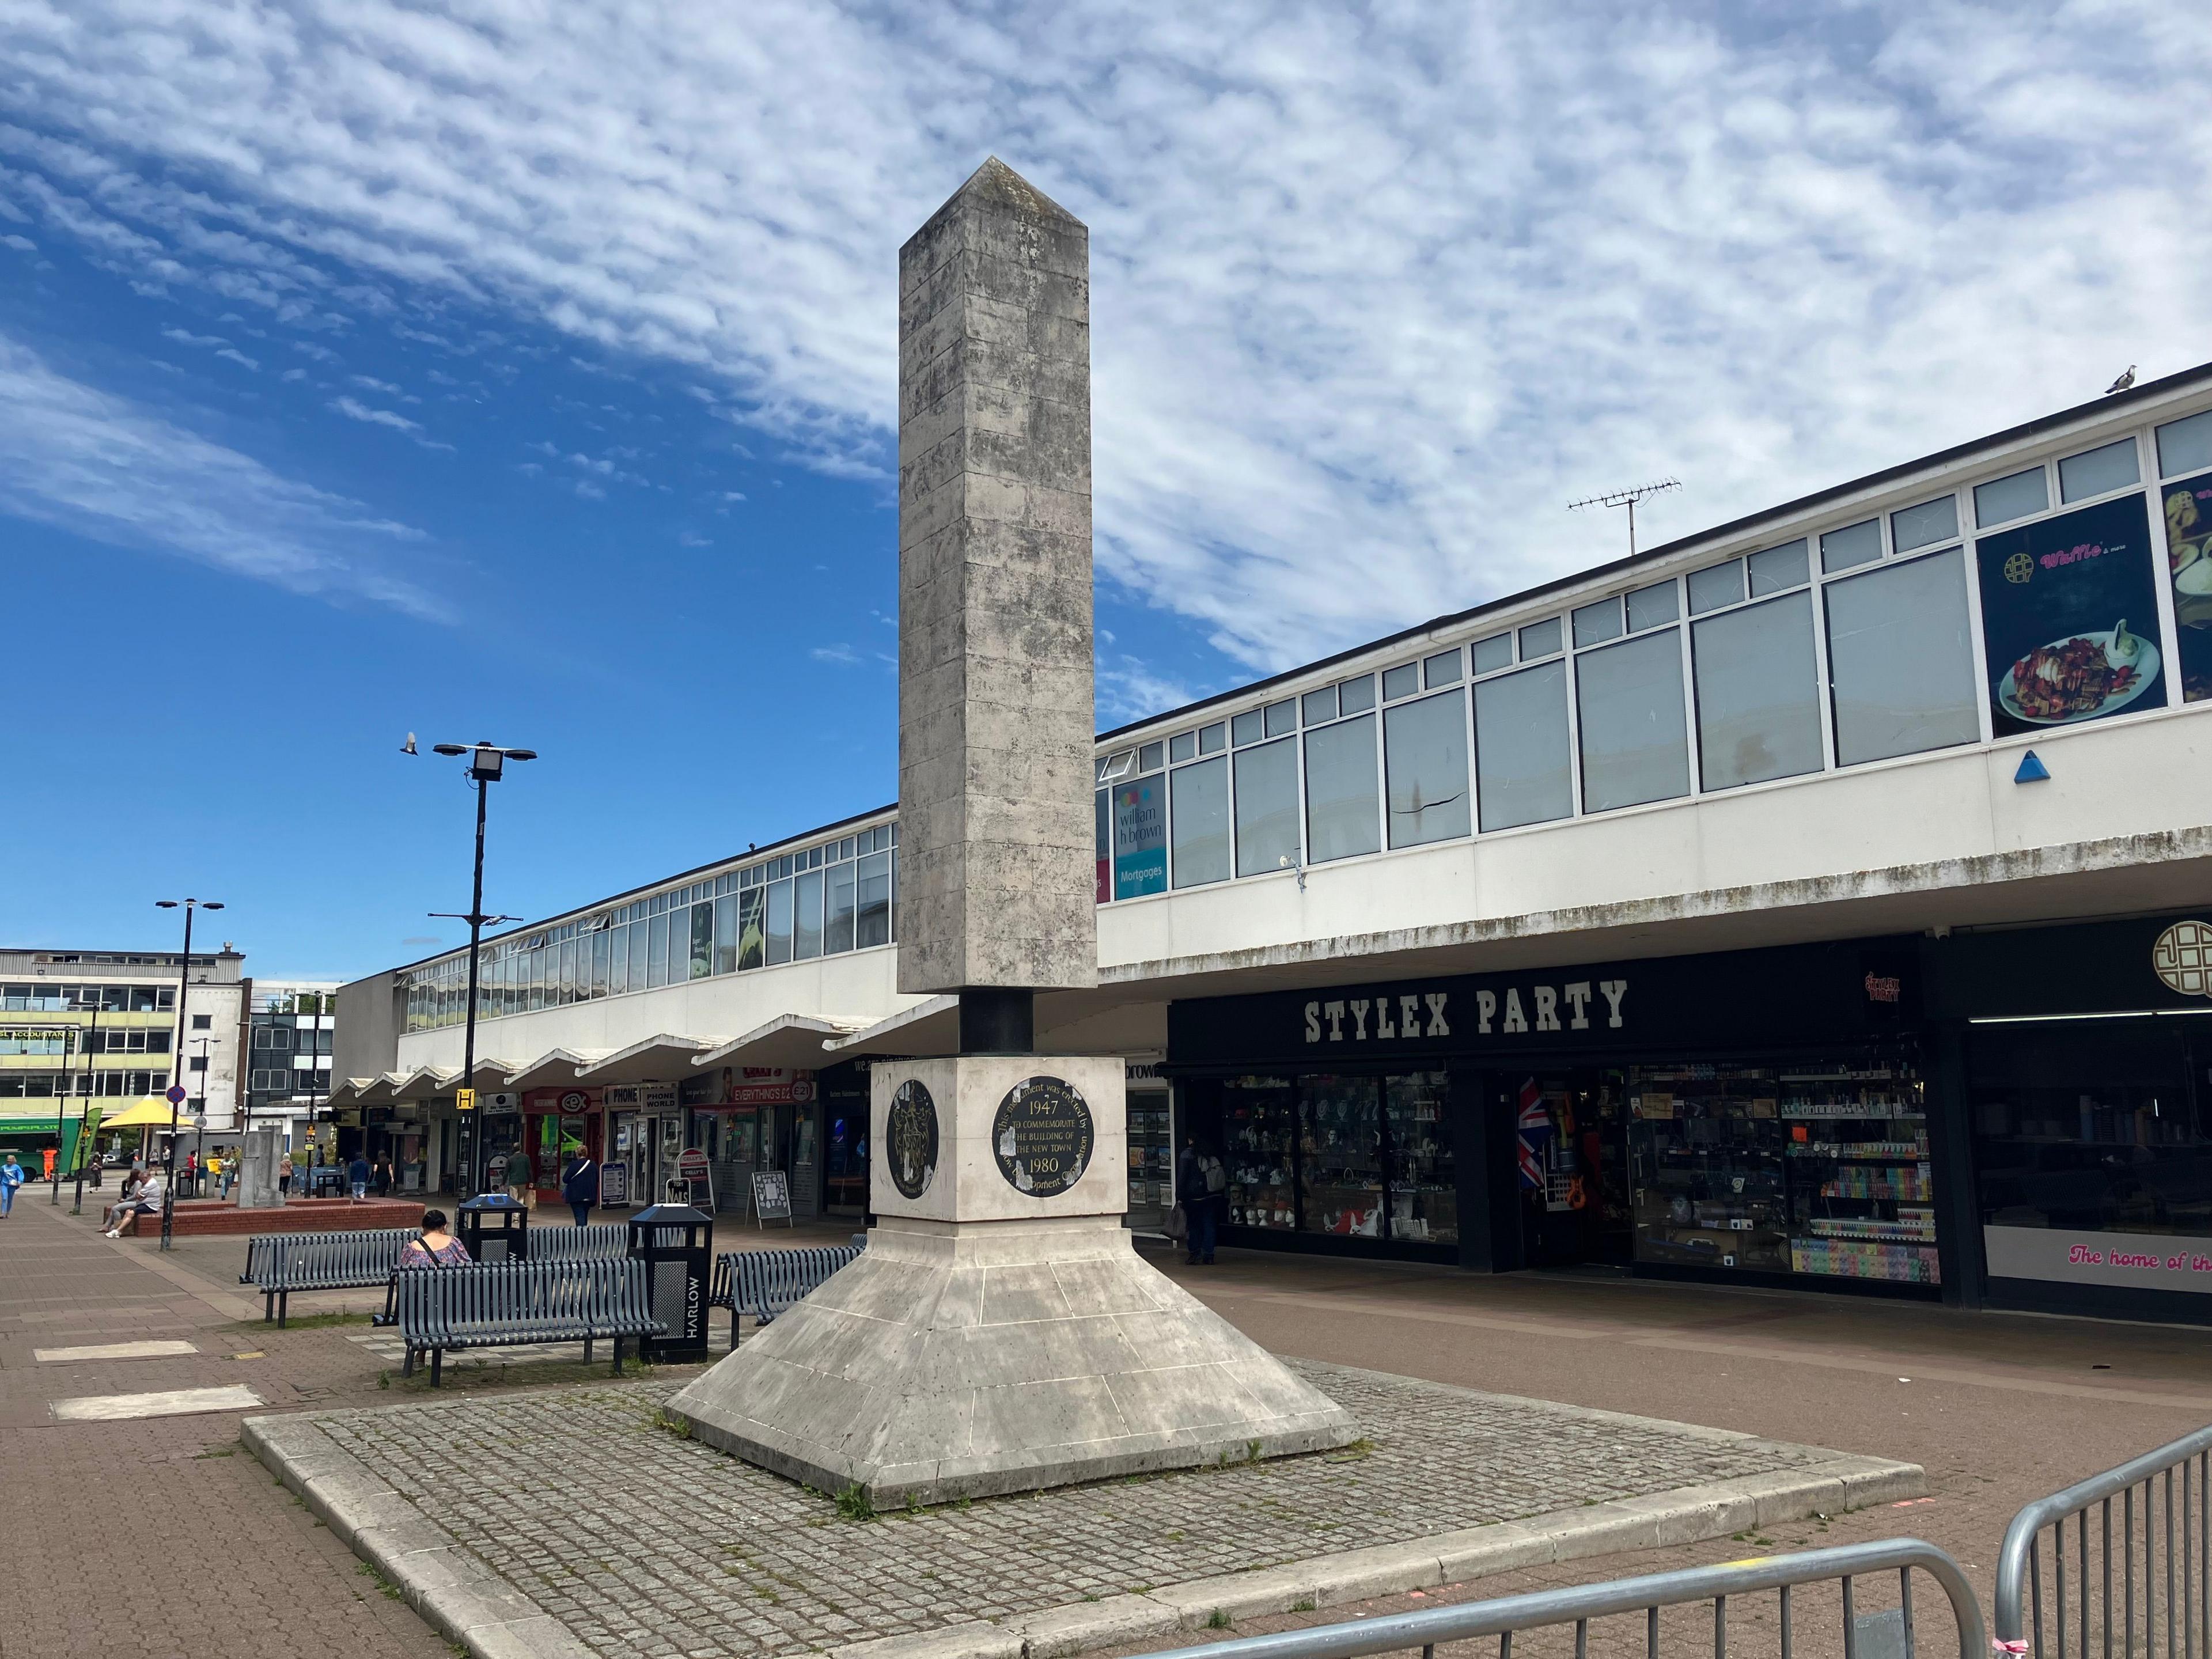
x: 1425, y: 759
x: 807, y: 917
x: 1811, y: 1167
x: 1523, y: 775
x: 1901, y: 659
x: 779, y: 922
x: 1635, y: 746
x: 752, y: 935
x: 1200, y: 797
x: 840, y: 903
x: 1424, y: 1194
x: 1258, y: 1123
x: 1342, y: 1156
x: 1267, y: 807
x: 1341, y: 820
x: 2089, y: 1127
x: 702, y: 953
x: 874, y: 923
x: 1759, y: 699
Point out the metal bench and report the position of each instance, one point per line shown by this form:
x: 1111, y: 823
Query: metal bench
x: 281, y: 1263
x: 607, y: 1241
x: 505, y: 1303
x: 765, y: 1283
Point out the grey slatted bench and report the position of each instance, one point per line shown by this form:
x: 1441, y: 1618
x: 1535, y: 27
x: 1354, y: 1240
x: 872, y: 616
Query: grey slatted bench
x: 603, y: 1241
x: 278, y: 1264
x: 505, y: 1303
x: 765, y: 1283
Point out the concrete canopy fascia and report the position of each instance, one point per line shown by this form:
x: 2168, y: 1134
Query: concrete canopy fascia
x: 427, y: 1082
x: 554, y: 1068
x: 932, y: 1027
x: 793, y: 1041
x: 663, y: 1056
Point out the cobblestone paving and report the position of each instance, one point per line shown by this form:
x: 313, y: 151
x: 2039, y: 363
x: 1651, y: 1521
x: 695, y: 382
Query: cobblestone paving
x: 666, y: 1547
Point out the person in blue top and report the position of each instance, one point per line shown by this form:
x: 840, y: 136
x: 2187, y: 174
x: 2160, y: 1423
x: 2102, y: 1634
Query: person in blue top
x: 579, y: 1185
x: 11, y: 1177
x: 357, y: 1177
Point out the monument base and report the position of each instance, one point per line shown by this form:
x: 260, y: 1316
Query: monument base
x: 965, y: 1359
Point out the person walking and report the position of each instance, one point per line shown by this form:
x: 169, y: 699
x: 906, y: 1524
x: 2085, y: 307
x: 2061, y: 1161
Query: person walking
x: 519, y: 1186
x: 381, y: 1182
x: 11, y: 1177
x: 1201, y: 1186
x: 357, y: 1177
x: 580, y: 1186
x: 437, y: 1247
x: 284, y: 1175
x: 144, y: 1198
x: 229, y: 1170
x: 214, y: 1172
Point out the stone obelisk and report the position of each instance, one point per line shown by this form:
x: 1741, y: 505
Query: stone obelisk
x: 999, y: 1334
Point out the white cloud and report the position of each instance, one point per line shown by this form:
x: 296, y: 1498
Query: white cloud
x: 839, y: 653
x: 353, y: 409
x: 1377, y: 291
x: 104, y: 467
x: 21, y: 243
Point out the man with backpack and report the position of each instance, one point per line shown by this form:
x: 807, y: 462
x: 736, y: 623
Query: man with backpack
x: 1201, y: 1187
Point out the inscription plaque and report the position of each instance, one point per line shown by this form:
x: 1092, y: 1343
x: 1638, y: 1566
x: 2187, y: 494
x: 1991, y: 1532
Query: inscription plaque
x: 1042, y: 1137
x: 910, y: 1133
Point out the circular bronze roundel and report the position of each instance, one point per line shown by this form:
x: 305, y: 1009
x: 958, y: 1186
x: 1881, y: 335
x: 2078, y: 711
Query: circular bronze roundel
x: 1042, y: 1137
x: 910, y: 1138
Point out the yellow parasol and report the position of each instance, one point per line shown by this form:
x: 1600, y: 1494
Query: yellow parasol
x: 145, y: 1115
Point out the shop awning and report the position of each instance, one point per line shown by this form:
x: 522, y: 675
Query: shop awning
x: 348, y: 1091
x: 556, y: 1069
x: 793, y: 1042
x: 427, y: 1082
x: 928, y: 1028
x: 662, y: 1058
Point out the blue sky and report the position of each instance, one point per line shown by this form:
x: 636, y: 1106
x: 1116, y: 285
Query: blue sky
x: 375, y: 368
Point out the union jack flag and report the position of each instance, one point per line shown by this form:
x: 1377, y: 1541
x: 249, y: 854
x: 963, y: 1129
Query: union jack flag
x: 1535, y: 1135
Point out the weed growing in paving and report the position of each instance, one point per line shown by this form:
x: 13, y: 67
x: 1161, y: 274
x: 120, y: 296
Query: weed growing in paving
x: 1303, y: 1604
x: 853, y: 1503
x: 1217, y: 1619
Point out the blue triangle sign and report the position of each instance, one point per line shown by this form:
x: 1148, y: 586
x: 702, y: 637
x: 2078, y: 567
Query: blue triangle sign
x: 2031, y: 770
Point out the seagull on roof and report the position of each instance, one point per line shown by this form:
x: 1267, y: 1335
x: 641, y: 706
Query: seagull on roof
x: 2123, y: 383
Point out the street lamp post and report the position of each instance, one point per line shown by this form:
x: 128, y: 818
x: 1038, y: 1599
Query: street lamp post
x: 176, y: 1060
x: 83, y: 1109
x: 487, y: 762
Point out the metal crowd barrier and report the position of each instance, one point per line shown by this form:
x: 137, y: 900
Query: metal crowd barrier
x: 1887, y: 1635
x: 2164, y: 1575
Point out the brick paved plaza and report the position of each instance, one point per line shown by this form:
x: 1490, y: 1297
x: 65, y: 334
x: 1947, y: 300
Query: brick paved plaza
x: 164, y: 1536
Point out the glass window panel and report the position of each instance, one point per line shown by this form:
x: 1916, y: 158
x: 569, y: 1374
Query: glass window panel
x: 1102, y: 842
x: 1259, y: 1143
x: 1925, y: 525
x: 752, y: 929
x: 1521, y: 771
x: 1901, y: 660
x: 1200, y: 822
x: 1721, y: 585
x: 1267, y: 808
x: 1493, y: 653
x: 1423, y: 1190
x: 1596, y: 623
x: 1152, y: 758
x: 2002, y: 500
x: 702, y: 940
x: 1405, y: 679
x: 1442, y: 669
x: 1759, y: 696
x: 1211, y: 738
x: 656, y: 953
x: 1140, y: 837
x: 1319, y: 707
x: 806, y: 916
x: 1635, y: 738
x: 618, y: 965
x: 1341, y: 819
x: 840, y: 903
x: 1541, y: 639
x: 1854, y: 544
x: 1282, y: 717
x: 2094, y: 473
x: 2185, y: 445
x: 874, y: 925
x: 1183, y: 746
x: 779, y: 921
x: 1647, y: 607
x: 1340, y: 1155
x: 1778, y: 569
x: 725, y: 933
x: 1246, y: 727
x: 1356, y: 696
x: 601, y: 949
x: 1425, y: 756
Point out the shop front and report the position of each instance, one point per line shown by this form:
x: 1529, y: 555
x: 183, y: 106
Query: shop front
x: 810, y: 1126
x: 2085, y: 1059
x: 1761, y: 1116
x: 552, y: 1122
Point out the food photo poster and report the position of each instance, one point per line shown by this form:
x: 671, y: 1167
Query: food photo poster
x: 2188, y: 553
x: 2069, y: 619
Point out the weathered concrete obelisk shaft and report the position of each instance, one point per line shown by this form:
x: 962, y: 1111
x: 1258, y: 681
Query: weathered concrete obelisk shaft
x: 996, y: 855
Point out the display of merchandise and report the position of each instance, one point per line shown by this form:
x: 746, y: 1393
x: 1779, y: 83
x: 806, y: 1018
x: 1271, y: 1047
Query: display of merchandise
x: 1765, y: 1169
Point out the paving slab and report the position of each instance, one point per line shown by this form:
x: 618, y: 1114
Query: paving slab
x: 161, y: 1350
x: 162, y: 1402
x: 663, y: 1545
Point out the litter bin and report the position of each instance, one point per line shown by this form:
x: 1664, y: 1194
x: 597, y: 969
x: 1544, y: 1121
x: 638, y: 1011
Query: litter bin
x: 676, y: 1244
x: 494, y: 1228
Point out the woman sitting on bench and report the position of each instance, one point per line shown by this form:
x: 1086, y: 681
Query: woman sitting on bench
x: 143, y: 1198
x: 436, y: 1248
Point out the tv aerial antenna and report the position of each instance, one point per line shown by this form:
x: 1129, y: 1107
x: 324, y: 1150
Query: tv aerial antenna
x: 1628, y: 498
